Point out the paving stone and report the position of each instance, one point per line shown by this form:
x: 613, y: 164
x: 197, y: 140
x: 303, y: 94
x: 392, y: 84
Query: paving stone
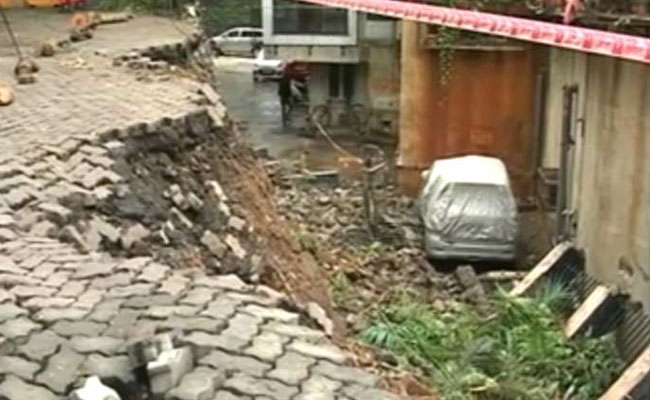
x: 57, y: 279
x: 94, y: 269
x: 208, y: 325
x: 152, y: 300
x: 232, y: 363
x: 62, y: 370
x: 174, y: 285
x: 105, y: 230
x: 318, y: 387
x: 18, y: 327
x: 223, y: 395
x: 276, y: 314
x: 167, y: 370
x: 138, y: 289
x: 9, y: 266
x: 10, y: 311
x: 198, y: 296
x: 10, y: 280
x: 78, y: 328
x: 154, y: 273
x: 241, y: 330
x: 7, y: 234
x: 96, y: 344
x: 168, y: 311
x: 135, y: 264
x: 44, y: 270
x: 229, y: 282
x: 360, y: 392
x: 105, y: 311
x: 321, y: 351
x: 89, y: 299
x: 57, y: 314
x: 118, y: 279
x: 108, y: 367
x: 25, y: 292
x: 71, y: 234
x: 253, y: 299
x: 18, y: 366
x: 4, y: 298
x: 6, y: 220
x: 267, y: 346
x: 222, y: 308
x: 248, y: 385
x: 37, y: 303
x: 345, y: 374
x: 123, y: 324
x: 216, y: 246
x: 13, y: 388
x: 72, y: 289
x: 56, y: 212
x: 41, y: 345
x: 296, y: 331
x: 318, y: 314
x: 200, y: 384
x: 33, y: 261
x: 292, y: 368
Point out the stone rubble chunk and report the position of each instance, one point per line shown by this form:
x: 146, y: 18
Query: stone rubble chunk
x: 18, y: 366
x: 200, y: 384
x: 109, y: 367
x: 70, y: 234
x: 215, y: 189
x: 18, y: 327
x: 177, y: 197
x: 55, y: 212
x: 216, y: 246
x: 133, y: 234
x: 318, y: 314
x: 252, y: 386
x: 41, y: 345
x: 194, y: 202
x: 236, y: 247
x: 167, y: 371
x: 106, y: 230
x: 179, y: 217
x: 233, y: 363
x: 267, y: 313
x: 62, y: 370
x: 13, y: 388
x: 236, y: 223
x: 292, y: 368
x: 267, y: 346
x: 345, y: 374
x: 93, y: 389
x: 96, y: 344
x: 322, y: 351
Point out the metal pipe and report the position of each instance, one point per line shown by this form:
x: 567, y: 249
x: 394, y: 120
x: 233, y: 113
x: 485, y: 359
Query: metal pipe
x: 566, y: 143
x: 595, y: 41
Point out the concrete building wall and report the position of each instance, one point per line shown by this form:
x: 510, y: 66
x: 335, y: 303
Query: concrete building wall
x: 611, y: 164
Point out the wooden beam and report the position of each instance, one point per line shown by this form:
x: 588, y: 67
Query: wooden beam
x: 631, y: 379
x: 541, y: 269
x: 587, y: 309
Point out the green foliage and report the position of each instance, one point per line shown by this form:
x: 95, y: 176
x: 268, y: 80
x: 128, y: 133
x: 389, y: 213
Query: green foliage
x: 137, y: 5
x: 220, y: 15
x: 517, y: 352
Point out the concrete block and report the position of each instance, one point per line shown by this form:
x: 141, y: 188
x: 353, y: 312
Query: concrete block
x: 167, y: 371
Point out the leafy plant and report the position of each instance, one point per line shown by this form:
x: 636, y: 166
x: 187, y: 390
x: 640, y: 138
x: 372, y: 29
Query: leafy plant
x: 517, y: 351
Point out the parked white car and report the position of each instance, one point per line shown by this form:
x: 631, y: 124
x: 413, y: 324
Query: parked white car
x: 265, y: 68
x: 468, y: 210
x: 238, y: 41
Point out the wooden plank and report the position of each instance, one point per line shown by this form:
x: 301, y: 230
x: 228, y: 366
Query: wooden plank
x: 586, y: 310
x: 541, y: 269
x: 631, y: 378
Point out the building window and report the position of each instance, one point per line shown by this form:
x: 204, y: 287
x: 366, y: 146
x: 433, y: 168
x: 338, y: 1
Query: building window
x: 293, y: 18
x: 341, y: 81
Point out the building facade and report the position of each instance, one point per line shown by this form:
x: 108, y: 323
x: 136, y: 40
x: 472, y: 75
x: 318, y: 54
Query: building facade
x: 337, y: 45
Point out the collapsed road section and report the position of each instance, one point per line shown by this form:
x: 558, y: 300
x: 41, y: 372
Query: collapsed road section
x: 134, y: 212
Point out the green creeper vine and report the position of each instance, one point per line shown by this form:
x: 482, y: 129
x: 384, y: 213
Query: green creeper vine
x: 445, y: 40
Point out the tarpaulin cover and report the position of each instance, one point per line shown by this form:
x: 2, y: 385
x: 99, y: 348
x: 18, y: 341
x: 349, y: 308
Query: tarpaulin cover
x: 468, y: 199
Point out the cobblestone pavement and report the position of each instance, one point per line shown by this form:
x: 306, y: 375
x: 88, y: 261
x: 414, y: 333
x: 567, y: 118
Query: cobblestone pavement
x: 66, y: 315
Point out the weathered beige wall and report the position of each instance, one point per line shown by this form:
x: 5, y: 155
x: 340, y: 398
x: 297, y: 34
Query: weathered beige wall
x: 611, y: 168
